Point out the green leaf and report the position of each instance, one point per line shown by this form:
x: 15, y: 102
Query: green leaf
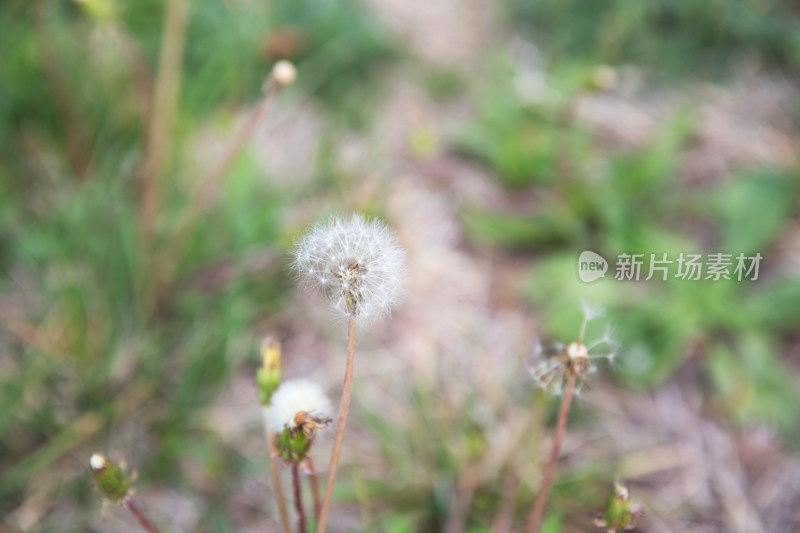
x: 752, y: 210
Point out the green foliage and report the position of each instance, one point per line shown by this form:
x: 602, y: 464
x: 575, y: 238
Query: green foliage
x: 552, y: 523
x: 753, y: 209
x: 666, y: 36
x: 87, y: 345
x: 631, y: 202
x: 752, y: 383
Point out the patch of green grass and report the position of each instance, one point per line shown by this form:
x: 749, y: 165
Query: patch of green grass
x: 668, y: 38
x: 101, y: 332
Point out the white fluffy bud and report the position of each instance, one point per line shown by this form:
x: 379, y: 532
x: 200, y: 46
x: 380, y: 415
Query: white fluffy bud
x: 297, y: 396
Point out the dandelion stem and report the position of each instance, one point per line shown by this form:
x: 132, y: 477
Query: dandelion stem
x: 561, y: 424
x: 337, y: 443
x: 283, y: 512
x: 298, y: 499
x: 145, y: 522
x: 314, y: 487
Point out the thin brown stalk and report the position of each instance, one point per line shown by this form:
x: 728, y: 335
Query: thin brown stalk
x: 314, y: 488
x: 274, y: 467
x: 145, y: 522
x: 162, y: 118
x: 298, y: 499
x: 561, y: 424
x: 197, y: 202
x: 337, y: 443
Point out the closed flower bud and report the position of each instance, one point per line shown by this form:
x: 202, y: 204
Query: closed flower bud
x: 111, y: 481
x: 268, y: 377
x: 620, y: 513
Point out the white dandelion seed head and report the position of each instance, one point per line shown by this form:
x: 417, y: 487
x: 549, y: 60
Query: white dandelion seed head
x: 297, y: 396
x: 355, y: 263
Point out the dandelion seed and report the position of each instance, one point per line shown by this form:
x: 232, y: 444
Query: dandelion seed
x: 366, y: 263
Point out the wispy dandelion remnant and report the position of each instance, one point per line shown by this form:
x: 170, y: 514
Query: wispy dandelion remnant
x: 558, y: 374
x: 355, y: 263
x: 552, y: 369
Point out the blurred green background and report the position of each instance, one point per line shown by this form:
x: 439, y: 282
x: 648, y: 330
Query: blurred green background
x: 129, y: 301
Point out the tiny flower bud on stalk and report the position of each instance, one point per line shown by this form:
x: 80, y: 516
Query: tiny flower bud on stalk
x: 268, y: 378
x: 114, y: 485
x: 110, y: 480
x: 568, y: 365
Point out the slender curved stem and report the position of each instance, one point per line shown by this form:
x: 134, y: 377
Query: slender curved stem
x: 314, y: 488
x: 145, y: 522
x: 561, y: 424
x: 298, y: 499
x: 274, y: 467
x: 337, y: 443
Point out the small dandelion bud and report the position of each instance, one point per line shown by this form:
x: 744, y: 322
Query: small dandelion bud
x: 268, y: 377
x: 111, y: 481
x: 299, y: 410
x: 355, y: 263
x: 620, y: 513
x: 284, y: 73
